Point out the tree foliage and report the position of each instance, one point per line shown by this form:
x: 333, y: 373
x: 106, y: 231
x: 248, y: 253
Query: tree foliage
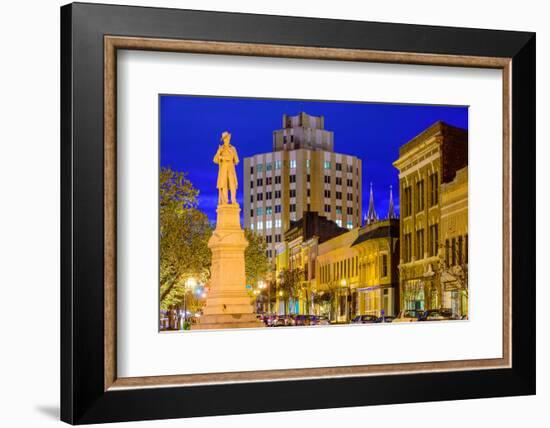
x: 290, y: 283
x: 256, y: 262
x: 184, y: 234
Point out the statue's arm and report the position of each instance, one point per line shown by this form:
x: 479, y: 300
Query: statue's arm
x: 217, y: 156
x: 235, y: 157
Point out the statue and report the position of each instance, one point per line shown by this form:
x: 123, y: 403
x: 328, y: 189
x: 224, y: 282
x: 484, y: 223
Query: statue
x: 226, y: 157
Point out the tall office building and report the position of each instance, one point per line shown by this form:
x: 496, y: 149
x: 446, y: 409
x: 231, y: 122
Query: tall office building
x: 302, y: 173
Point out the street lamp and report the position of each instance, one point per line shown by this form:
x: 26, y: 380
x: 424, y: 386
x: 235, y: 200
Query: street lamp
x: 344, y: 284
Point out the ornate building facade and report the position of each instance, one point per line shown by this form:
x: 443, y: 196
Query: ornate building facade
x: 425, y: 164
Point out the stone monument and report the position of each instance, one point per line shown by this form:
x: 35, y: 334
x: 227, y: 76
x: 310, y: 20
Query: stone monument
x: 228, y: 304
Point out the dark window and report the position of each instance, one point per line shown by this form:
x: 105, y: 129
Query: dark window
x: 251, y: 213
x: 293, y: 178
x: 268, y: 181
x: 350, y: 210
x: 349, y: 197
x: 407, y: 248
x: 259, y: 182
x: 384, y: 265
x: 420, y: 195
x: 277, y: 209
x: 260, y: 196
x: 268, y: 195
x: 308, y: 178
x: 277, y: 179
x: 460, y: 250
x: 251, y: 170
x: 407, y: 201
x: 453, y: 251
x: 308, y: 192
x: 327, y: 193
x: 292, y: 208
x: 350, y: 168
x: 268, y: 239
x: 251, y: 184
x: 420, y: 244
x: 349, y: 182
x: 327, y: 179
x: 434, y: 189
x: 292, y: 193
x: 277, y: 238
x: 277, y: 194
x: 338, y: 166
x: 338, y: 195
x: 434, y: 240
x: 251, y: 198
x: 327, y: 208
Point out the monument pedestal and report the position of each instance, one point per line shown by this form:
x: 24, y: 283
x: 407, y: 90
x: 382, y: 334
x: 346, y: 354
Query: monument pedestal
x: 228, y: 304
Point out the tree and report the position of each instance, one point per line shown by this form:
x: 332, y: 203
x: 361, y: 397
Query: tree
x: 256, y: 263
x: 290, y: 283
x: 184, y: 234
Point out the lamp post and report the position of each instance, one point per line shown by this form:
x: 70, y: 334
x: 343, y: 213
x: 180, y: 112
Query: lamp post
x: 344, y: 284
x: 190, y: 284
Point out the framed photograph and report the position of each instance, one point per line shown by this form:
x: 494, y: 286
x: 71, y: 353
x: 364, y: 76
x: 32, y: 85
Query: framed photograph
x: 266, y: 213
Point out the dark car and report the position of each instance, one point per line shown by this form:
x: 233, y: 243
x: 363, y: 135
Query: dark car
x: 284, y: 321
x: 436, y: 315
x: 364, y: 319
x: 385, y: 318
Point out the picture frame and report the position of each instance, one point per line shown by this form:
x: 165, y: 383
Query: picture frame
x: 91, y: 391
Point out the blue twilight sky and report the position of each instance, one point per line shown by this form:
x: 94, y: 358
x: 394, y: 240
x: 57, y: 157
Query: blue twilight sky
x: 191, y: 126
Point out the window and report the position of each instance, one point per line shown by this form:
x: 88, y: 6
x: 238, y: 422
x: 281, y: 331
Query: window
x: 349, y: 224
x: 251, y: 213
x: 277, y: 238
x: 259, y: 211
x: 349, y: 197
x: 259, y: 182
x: 434, y: 240
x: 407, y: 247
x: 327, y: 208
x: 419, y: 244
x: 251, y: 226
x: 277, y: 194
x: 278, y: 164
x: 384, y: 268
x: 338, y: 195
x: 284, y: 139
x: 326, y: 164
x: 268, y: 226
x: 268, y: 181
x: 251, y: 184
x: 407, y: 201
x: 434, y: 189
x: 260, y: 197
x: 268, y: 166
x: 308, y: 163
x: 338, y: 166
x: 268, y: 211
x: 308, y: 207
x: 292, y: 163
x: 268, y: 254
x: 268, y: 195
x: 259, y: 225
x: 339, y: 222
x: 293, y: 178
x: 327, y: 179
x: 349, y: 210
x: 292, y: 193
x: 350, y: 169
x: 338, y: 181
x: 327, y: 193
x: 349, y: 182
x: 251, y: 170
x: 339, y: 210
x: 308, y: 193
x: 277, y: 223
x: 251, y: 198
x: 420, y: 195
x: 308, y: 178
x: 259, y: 168
x: 277, y: 179
x: 277, y: 209
x: 268, y: 238
x: 292, y: 208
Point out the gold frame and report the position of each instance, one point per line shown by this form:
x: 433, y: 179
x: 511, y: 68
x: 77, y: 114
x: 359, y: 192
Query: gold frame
x: 113, y: 43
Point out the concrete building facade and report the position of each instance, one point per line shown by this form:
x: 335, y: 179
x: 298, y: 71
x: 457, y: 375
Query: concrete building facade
x: 302, y: 173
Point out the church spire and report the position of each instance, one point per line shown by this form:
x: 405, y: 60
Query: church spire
x: 391, y: 211
x: 371, y: 214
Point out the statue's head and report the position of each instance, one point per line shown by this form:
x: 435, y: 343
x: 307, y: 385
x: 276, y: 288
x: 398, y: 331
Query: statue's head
x: 226, y: 137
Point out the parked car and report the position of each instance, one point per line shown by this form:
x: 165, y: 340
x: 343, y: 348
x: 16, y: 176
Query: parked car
x: 437, y: 315
x: 408, y: 315
x: 319, y: 320
x: 385, y: 318
x: 364, y: 319
x: 284, y: 321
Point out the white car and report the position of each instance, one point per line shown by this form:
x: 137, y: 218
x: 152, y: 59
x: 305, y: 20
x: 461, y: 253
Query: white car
x: 408, y: 315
